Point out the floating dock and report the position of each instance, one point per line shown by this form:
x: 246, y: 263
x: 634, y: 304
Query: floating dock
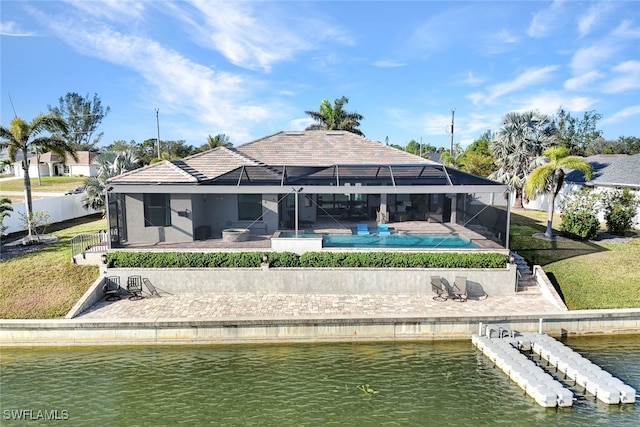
x: 506, y: 350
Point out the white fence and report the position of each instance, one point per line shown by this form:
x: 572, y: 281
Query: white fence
x: 60, y: 208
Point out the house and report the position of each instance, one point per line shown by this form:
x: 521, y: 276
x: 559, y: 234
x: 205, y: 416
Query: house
x: 51, y: 165
x: 609, y: 171
x: 291, y: 178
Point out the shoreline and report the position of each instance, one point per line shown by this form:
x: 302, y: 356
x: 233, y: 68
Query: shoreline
x: 288, y: 329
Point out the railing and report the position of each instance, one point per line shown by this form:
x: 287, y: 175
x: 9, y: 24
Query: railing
x: 89, y: 242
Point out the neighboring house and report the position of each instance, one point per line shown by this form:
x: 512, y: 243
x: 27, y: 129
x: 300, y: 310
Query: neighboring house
x: 291, y: 178
x: 609, y: 171
x: 51, y: 165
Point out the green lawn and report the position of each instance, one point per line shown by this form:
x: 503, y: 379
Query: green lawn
x: 45, y: 284
x: 50, y: 184
x: 589, y: 275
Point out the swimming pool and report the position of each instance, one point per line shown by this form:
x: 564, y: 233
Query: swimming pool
x: 389, y: 241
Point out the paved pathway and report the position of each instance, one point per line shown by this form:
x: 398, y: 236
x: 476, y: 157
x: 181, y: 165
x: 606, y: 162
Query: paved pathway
x: 252, y: 306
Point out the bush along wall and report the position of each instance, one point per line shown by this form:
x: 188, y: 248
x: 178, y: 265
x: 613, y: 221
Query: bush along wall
x: 307, y: 260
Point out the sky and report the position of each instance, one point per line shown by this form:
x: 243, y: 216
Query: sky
x: 251, y: 69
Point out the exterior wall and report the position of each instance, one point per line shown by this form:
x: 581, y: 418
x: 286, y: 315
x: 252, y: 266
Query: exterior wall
x: 386, y: 281
x: 180, y: 230
x: 33, y: 170
x: 270, y: 212
x: 82, y: 170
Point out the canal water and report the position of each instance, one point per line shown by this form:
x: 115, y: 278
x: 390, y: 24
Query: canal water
x: 397, y: 384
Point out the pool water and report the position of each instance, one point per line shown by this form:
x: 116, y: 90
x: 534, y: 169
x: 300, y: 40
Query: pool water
x: 386, y: 241
x: 397, y: 241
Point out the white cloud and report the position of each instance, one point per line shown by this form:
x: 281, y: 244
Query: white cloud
x: 300, y: 124
x: 627, y: 78
x: 590, y: 58
x: 251, y: 38
x: 623, y: 114
x: 582, y: 81
x: 217, y: 100
x: 113, y: 10
x: 388, y: 63
x: 625, y: 30
x: 593, y: 16
x: 549, y: 102
x: 11, y: 28
x: 528, y: 78
x: 546, y: 20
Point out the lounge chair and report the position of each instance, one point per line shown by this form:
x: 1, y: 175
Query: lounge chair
x: 134, y: 287
x: 444, y: 292
x: 111, y: 288
x: 460, y: 288
x: 152, y: 289
x: 438, y: 287
x: 383, y: 230
x: 362, y: 229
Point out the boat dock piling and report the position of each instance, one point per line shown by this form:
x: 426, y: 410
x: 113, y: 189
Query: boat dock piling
x: 505, y: 349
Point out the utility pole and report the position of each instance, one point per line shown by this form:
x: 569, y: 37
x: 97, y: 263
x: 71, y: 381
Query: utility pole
x: 158, y: 126
x: 452, y: 114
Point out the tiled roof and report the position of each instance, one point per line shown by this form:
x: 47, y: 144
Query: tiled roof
x: 308, y: 148
x: 161, y: 172
x: 84, y: 158
x: 611, y: 170
x: 324, y: 148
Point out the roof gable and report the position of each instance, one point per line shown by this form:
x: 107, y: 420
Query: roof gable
x: 611, y: 170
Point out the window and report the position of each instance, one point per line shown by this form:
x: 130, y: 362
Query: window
x: 249, y: 206
x: 157, y: 210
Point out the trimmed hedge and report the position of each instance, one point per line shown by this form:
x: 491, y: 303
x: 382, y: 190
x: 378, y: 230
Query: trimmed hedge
x: 308, y: 260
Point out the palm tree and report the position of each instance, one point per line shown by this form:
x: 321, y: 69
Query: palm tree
x: 21, y: 137
x: 110, y: 164
x: 335, y: 118
x: 549, y: 177
x: 518, y: 146
x: 220, y: 140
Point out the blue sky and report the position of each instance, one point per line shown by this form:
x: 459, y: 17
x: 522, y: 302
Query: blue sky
x: 250, y: 69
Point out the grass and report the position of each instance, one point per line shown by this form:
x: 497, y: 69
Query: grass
x: 50, y: 184
x: 45, y: 284
x: 588, y: 275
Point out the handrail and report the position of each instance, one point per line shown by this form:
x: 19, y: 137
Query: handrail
x: 89, y: 242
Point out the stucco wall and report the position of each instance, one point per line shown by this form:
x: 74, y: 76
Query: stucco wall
x: 320, y: 281
x: 180, y: 230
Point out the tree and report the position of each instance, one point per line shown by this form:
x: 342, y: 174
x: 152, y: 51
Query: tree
x: 477, y: 158
x: 419, y: 149
x: 21, y: 137
x: 577, y: 135
x: 220, y: 140
x: 549, y: 177
x: 335, y: 118
x: 517, y: 148
x: 83, y: 116
x: 110, y: 164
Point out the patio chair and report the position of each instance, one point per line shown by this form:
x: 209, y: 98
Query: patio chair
x: 152, y: 289
x: 460, y: 288
x: 438, y: 287
x: 111, y: 288
x: 383, y: 230
x: 134, y: 287
x: 362, y: 229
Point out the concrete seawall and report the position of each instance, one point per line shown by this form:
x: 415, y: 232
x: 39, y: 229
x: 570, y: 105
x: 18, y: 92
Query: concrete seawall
x: 300, y: 329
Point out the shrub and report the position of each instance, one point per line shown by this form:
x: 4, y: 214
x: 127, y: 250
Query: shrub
x: 619, y: 209
x: 579, y: 214
x: 308, y: 260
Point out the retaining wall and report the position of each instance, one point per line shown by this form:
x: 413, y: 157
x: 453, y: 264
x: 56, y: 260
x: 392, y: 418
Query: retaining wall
x: 172, y: 331
x: 319, y: 281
